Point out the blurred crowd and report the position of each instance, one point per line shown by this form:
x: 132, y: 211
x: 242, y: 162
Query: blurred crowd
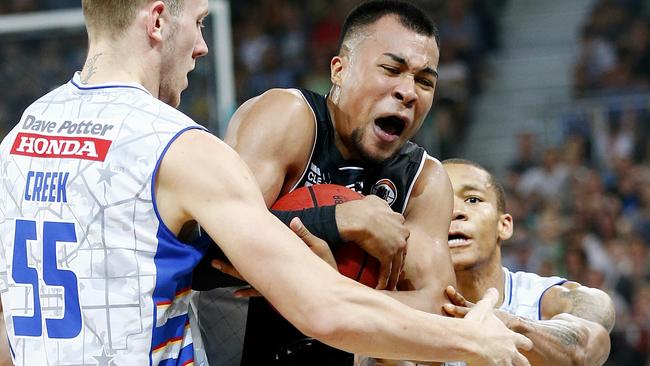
x: 581, y: 206
x: 614, y: 49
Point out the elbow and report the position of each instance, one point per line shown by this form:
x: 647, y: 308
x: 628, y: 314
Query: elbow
x: 592, y: 348
x: 325, y: 323
x: 579, y: 357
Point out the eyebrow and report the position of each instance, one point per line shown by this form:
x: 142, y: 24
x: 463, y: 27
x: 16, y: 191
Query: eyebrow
x: 402, y: 61
x: 469, y: 187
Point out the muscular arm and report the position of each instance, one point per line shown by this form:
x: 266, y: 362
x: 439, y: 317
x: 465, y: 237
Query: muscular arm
x: 221, y: 194
x: 575, y: 327
x: 428, y: 268
x: 273, y: 133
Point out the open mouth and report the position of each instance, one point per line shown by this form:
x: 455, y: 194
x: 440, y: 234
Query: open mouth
x: 391, y: 125
x: 457, y: 239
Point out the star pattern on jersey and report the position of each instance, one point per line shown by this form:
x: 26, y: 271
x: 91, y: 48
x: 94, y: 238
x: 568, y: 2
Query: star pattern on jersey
x: 105, y: 174
x: 104, y: 360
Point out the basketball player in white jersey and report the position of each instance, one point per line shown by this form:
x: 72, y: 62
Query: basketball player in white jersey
x: 569, y: 324
x: 100, y: 175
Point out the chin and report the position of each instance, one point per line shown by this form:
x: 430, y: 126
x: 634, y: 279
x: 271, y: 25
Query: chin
x: 462, y: 262
x: 377, y: 155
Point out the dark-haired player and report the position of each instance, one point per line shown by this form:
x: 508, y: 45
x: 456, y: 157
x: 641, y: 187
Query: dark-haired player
x: 567, y: 322
x: 384, y: 78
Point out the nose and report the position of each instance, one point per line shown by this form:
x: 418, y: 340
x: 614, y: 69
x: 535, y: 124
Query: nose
x: 405, y: 91
x: 201, y: 48
x: 458, y: 213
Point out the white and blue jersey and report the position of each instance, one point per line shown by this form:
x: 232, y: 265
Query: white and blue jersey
x: 523, y: 293
x: 89, y: 273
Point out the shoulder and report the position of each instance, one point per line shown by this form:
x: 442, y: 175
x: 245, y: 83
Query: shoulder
x: 273, y: 118
x: 432, y: 177
x: 432, y: 188
x: 281, y: 107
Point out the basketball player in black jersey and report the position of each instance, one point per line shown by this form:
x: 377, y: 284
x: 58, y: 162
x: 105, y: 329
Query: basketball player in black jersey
x: 383, y: 79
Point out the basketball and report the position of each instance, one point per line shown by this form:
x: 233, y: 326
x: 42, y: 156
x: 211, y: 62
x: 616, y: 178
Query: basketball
x: 352, y: 261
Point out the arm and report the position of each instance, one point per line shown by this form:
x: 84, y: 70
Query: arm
x: 274, y: 134
x: 575, y: 327
x: 428, y: 269
x: 221, y: 194
x: 574, y: 330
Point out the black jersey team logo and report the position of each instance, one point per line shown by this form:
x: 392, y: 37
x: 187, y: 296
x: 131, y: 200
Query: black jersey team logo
x: 385, y: 189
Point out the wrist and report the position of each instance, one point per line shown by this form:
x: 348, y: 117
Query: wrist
x: 349, y: 227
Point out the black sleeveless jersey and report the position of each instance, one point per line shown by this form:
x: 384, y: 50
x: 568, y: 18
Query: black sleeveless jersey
x: 269, y: 338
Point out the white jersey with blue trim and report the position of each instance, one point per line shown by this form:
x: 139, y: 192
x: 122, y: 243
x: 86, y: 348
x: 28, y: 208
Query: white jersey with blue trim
x: 89, y: 274
x: 523, y: 293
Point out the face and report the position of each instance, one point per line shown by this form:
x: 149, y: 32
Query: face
x: 183, y: 44
x: 477, y: 227
x: 383, y: 89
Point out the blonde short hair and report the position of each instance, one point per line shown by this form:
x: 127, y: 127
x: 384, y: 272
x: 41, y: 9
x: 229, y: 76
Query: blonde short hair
x: 115, y: 16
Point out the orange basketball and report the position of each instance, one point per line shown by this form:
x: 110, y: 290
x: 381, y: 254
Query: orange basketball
x: 352, y: 261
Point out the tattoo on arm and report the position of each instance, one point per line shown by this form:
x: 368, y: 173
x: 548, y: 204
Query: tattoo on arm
x: 90, y: 68
x: 565, y: 334
x: 594, y: 308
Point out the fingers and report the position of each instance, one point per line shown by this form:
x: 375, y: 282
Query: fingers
x: 522, y: 342
x: 485, y: 306
x: 384, y: 275
x: 520, y: 360
x: 396, y: 269
x: 310, y: 239
x: 455, y: 311
x: 316, y: 244
x: 226, y: 268
x: 247, y: 292
x: 456, y: 297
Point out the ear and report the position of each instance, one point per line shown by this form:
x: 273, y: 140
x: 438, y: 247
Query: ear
x: 505, y: 227
x: 155, y: 21
x: 337, y: 66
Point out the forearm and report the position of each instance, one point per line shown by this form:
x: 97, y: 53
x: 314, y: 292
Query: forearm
x: 422, y: 299
x: 336, y: 310
x: 418, y: 332
x: 565, y: 340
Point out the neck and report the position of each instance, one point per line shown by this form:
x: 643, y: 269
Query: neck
x: 336, y: 115
x: 106, y: 62
x: 473, y: 282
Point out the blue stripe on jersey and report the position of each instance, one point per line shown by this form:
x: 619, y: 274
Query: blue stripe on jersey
x: 171, y: 331
x: 174, y: 262
x: 107, y: 87
x: 185, y: 357
x: 539, y: 301
x: 510, y: 290
x: 13, y: 354
x: 155, y: 173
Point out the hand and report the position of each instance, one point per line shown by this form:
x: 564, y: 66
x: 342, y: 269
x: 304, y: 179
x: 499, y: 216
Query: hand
x: 499, y: 345
x: 459, y: 307
x: 317, y: 245
x: 371, y: 224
